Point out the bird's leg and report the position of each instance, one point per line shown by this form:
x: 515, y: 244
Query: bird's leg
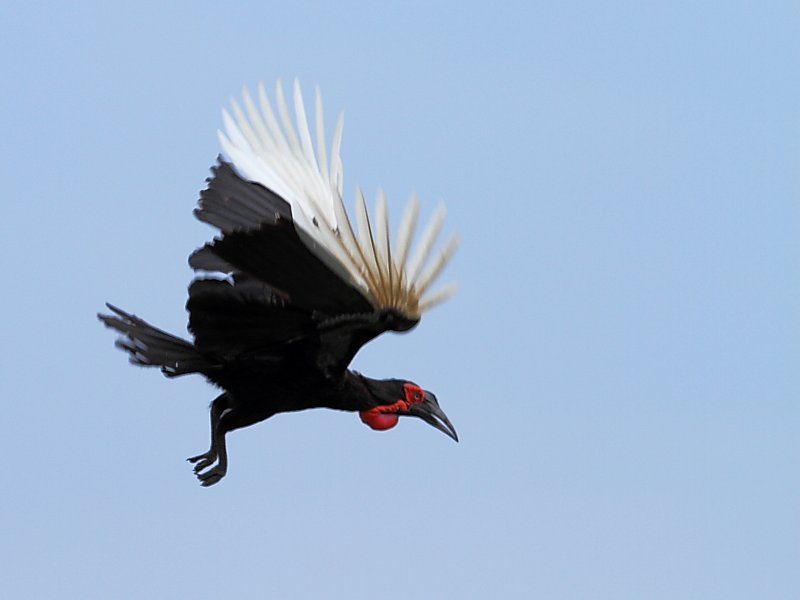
x: 226, y: 415
x: 204, y: 461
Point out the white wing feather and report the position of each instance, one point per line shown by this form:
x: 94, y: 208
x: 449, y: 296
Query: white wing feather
x: 281, y: 155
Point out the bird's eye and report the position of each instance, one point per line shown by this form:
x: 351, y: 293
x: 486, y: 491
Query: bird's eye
x: 413, y: 394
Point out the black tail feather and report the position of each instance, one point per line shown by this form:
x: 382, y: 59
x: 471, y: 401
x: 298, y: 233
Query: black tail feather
x: 149, y: 346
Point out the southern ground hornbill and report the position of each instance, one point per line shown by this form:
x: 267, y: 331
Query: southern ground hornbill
x: 290, y: 290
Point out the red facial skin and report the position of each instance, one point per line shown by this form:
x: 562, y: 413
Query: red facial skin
x: 378, y: 421
x: 382, y: 418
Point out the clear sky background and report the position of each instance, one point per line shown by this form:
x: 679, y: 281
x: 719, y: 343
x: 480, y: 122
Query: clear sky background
x: 621, y: 361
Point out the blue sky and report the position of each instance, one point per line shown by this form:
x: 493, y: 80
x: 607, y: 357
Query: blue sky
x: 621, y: 361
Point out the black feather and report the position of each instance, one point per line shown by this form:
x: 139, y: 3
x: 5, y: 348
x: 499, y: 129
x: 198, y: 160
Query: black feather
x: 232, y: 204
x: 152, y: 347
x: 230, y: 318
x: 275, y: 255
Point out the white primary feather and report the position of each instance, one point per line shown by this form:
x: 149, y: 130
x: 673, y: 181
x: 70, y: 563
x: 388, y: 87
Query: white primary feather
x: 406, y: 230
x: 281, y: 155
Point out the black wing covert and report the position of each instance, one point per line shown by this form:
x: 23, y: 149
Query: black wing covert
x: 242, y: 315
x: 275, y: 254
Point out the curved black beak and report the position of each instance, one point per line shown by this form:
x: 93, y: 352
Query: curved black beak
x: 428, y: 410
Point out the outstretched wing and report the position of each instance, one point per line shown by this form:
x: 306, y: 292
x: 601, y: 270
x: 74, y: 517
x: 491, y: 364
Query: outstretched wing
x: 277, y: 291
x: 279, y: 207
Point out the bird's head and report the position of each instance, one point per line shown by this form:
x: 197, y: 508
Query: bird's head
x: 397, y: 398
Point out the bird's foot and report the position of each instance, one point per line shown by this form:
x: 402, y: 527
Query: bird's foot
x: 204, y: 461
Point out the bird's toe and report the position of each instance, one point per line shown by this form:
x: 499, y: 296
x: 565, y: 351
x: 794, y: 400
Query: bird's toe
x: 211, y: 476
x: 206, y: 456
x: 203, y: 464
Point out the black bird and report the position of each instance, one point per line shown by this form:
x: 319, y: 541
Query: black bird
x: 288, y: 293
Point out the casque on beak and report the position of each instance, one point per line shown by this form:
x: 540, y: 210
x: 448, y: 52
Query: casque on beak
x: 428, y: 410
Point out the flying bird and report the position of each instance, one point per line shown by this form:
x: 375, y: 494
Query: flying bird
x: 291, y: 288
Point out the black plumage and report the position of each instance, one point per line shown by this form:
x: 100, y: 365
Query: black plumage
x: 275, y: 324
